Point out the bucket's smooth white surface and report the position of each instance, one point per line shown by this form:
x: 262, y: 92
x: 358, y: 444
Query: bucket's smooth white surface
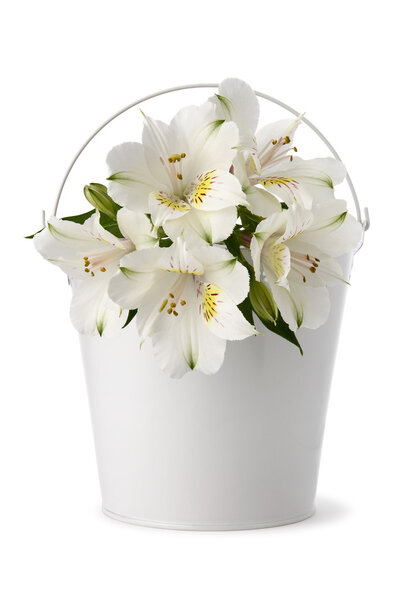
x: 236, y: 450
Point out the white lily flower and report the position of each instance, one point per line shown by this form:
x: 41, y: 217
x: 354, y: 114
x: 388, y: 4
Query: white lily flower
x: 295, y: 250
x: 187, y: 303
x: 180, y: 174
x: 270, y: 160
x: 90, y: 256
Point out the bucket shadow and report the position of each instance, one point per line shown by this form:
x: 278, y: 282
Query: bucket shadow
x: 328, y: 510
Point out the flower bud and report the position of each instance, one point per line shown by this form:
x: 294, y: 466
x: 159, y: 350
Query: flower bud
x: 262, y: 301
x: 98, y: 197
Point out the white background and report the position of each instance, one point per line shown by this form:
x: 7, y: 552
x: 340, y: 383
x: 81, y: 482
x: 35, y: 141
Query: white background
x: 66, y: 67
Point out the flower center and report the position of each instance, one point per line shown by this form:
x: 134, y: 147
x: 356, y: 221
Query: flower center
x: 173, y: 168
x: 275, y: 150
x: 101, y: 261
x: 304, y: 262
x: 172, y: 308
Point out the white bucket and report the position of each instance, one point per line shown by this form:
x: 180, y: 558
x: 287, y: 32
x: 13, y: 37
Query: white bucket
x: 236, y: 450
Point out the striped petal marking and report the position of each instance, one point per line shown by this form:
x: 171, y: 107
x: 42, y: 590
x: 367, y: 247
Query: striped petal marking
x: 210, y: 301
x: 171, y: 201
x: 200, y: 187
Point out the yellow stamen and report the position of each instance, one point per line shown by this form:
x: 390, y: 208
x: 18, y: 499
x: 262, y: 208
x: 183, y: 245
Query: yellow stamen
x: 172, y: 305
x: 169, y: 311
x: 171, y: 295
x: 103, y: 269
x: 175, y: 313
x: 179, y: 175
x: 92, y: 274
x: 183, y: 302
x: 87, y: 270
x: 174, y: 158
x: 163, y: 305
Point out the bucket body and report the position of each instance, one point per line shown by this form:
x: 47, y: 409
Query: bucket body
x: 236, y: 450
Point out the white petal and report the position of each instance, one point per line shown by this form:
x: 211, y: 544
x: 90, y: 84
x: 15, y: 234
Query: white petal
x: 66, y: 244
x: 222, y: 316
x: 315, y: 268
x: 274, y: 225
x: 298, y: 220
x: 237, y: 102
x: 224, y: 271
x: 136, y: 227
x: 275, y: 260
x: 304, y: 181
x: 138, y: 273
x: 92, y: 311
x: 276, y: 131
x: 165, y: 207
x: 130, y: 180
x: 317, y: 171
x: 214, y: 190
x: 208, y: 143
x: 333, y: 230
x: 212, y: 226
x: 303, y: 306
x: 261, y: 202
x: 177, y: 259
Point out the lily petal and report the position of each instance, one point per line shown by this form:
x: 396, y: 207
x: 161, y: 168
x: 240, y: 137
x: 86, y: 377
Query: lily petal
x: 303, y: 305
x: 165, y: 207
x: 92, y: 311
x: 136, y: 277
x: 130, y: 180
x: 237, y: 102
x: 334, y: 230
x: 222, y: 316
x: 211, y: 226
x: 214, y: 190
x: 224, y: 271
x: 136, y: 227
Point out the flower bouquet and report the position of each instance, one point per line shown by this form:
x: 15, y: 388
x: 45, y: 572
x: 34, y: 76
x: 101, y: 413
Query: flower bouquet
x: 211, y: 229
x: 207, y: 222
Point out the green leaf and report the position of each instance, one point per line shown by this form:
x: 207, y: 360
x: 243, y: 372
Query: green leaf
x: 281, y: 328
x: 165, y: 243
x: 110, y: 225
x: 97, y: 195
x: 246, y: 310
x: 75, y: 219
x: 131, y: 315
x: 29, y: 237
x: 79, y: 218
x: 249, y: 221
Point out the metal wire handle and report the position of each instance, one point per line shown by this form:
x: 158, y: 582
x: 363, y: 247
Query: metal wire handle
x: 365, y: 222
